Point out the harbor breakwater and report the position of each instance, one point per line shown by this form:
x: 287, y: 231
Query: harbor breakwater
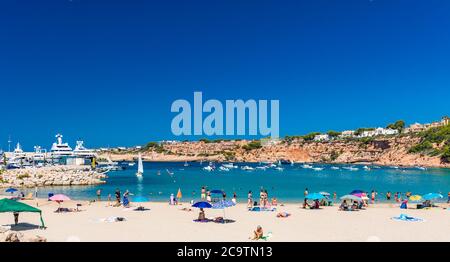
x: 51, y: 176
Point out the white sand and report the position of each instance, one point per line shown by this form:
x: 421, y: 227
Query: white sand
x: 169, y: 223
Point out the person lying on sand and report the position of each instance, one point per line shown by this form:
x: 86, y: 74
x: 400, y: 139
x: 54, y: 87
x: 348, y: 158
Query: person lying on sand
x: 186, y: 209
x: 283, y: 214
x: 258, y: 233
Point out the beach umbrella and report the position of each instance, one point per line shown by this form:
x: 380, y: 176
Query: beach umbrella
x: 415, y: 198
x: 351, y: 197
x: 216, y: 191
x: 202, y: 204
x: 356, y: 191
x: 11, y: 190
x: 326, y: 194
x: 315, y: 196
x: 58, y: 198
x: 179, y: 195
x: 361, y: 195
x: 431, y: 196
x: 8, y: 205
x: 223, y: 204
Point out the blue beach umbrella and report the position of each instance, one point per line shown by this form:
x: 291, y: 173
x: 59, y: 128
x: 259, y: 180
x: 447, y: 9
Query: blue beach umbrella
x: 11, y: 190
x: 431, y: 196
x: 202, y: 204
x: 222, y: 204
x: 315, y: 196
x: 216, y: 191
x: 356, y: 191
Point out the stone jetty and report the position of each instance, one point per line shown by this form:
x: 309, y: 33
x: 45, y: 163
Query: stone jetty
x: 51, y: 176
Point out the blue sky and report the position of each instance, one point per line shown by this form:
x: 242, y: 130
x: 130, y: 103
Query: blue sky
x: 108, y: 71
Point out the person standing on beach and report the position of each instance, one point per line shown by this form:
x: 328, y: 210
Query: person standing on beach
x: 249, y: 199
x: 305, y: 194
x: 234, y: 199
x: 334, y: 196
x: 16, y: 218
x: 388, y: 195
x: 373, y: 195
x: 261, y: 197
x: 203, y: 193
x: 224, y: 195
x: 117, y: 196
x: 99, y: 192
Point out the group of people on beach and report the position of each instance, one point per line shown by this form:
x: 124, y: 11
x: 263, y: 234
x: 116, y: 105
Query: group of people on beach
x: 263, y: 200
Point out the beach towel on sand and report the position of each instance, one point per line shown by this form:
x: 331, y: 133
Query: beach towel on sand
x: 112, y: 219
x: 404, y: 217
x: 266, y: 237
x: 259, y: 209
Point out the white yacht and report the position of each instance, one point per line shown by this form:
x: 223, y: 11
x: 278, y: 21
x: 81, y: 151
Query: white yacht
x: 18, y: 152
x: 82, y: 151
x: 60, y: 149
x: 39, y: 154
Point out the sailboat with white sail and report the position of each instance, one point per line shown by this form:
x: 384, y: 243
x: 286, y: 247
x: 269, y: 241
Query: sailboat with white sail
x: 140, y: 171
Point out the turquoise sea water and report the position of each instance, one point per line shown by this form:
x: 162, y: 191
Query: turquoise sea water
x: 287, y: 185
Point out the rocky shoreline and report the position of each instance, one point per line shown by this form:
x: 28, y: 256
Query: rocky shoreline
x: 51, y: 176
x: 384, y: 151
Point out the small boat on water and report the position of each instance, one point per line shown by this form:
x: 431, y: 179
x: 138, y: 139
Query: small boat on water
x: 169, y: 172
x: 317, y: 168
x: 307, y: 166
x: 222, y: 168
x: 230, y: 165
x: 247, y: 168
x: 186, y: 163
x: 131, y: 164
x: 421, y: 168
x: 335, y: 168
x: 208, y: 168
x: 279, y: 168
x: 366, y: 168
x: 140, y: 171
x: 351, y: 168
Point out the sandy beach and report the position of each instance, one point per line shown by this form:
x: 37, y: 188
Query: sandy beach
x: 167, y: 223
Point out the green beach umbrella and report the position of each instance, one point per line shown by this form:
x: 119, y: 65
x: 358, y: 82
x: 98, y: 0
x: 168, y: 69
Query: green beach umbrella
x: 8, y: 205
